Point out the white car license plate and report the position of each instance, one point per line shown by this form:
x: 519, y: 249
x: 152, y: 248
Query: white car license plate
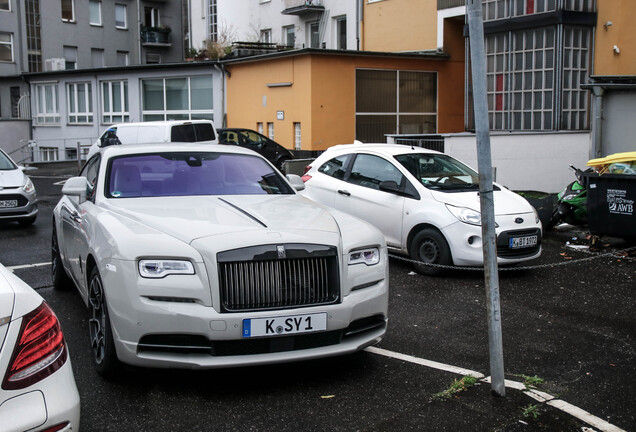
x: 286, y: 325
x: 8, y: 203
x: 523, y: 242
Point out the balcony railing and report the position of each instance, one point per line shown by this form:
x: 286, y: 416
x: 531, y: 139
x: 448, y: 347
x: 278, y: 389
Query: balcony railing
x: 160, y: 37
x: 447, y: 4
x: 303, y: 7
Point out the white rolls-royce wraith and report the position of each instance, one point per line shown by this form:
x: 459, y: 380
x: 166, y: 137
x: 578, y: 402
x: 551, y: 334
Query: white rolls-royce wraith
x: 204, y: 256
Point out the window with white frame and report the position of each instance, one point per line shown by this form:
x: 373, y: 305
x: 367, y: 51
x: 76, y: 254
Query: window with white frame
x: 95, y: 12
x: 297, y: 136
x: 270, y: 130
x: 46, y: 104
x: 183, y: 98
x: 393, y: 101
x: 79, y: 101
x: 115, y: 102
x: 266, y: 35
x: 5, y: 5
x: 151, y: 17
x: 48, y: 154
x: 213, y: 20
x: 289, y: 35
x: 68, y: 10
x: 6, y: 47
x: 259, y: 127
x: 313, y: 34
x: 341, y: 32
x: 121, y: 16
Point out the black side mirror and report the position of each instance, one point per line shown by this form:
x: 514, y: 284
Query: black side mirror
x: 390, y: 186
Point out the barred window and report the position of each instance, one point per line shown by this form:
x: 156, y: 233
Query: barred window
x: 391, y: 101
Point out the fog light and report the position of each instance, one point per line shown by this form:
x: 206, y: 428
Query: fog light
x: 472, y: 239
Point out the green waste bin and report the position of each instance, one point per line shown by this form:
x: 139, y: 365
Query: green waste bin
x: 611, y: 204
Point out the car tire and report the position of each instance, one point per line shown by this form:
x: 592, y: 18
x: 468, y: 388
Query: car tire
x: 430, y: 247
x: 61, y: 280
x: 100, y: 332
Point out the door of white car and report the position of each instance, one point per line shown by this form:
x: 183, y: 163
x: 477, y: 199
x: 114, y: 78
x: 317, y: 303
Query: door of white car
x: 75, y: 224
x: 324, y: 187
x: 361, y: 196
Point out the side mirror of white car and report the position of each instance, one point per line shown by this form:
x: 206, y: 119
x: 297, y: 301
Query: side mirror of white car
x: 296, y: 182
x: 76, y: 186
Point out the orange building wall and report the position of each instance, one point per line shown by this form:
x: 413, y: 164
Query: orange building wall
x: 322, y: 96
x: 621, y: 33
x: 399, y: 25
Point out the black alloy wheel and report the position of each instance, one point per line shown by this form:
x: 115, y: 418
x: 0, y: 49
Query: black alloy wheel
x: 100, y: 332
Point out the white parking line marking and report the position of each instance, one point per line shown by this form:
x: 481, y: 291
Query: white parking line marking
x: 423, y: 362
x: 537, y: 395
x: 20, y: 267
x: 584, y: 416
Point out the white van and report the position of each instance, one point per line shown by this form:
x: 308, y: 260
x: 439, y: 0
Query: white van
x: 157, y: 132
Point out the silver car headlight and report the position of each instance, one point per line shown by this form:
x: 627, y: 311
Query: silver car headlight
x: 158, y: 268
x: 370, y: 256
x: 466, y: 215
x: 28, y: 186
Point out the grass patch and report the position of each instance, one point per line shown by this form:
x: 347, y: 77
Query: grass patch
x: 456, y: 386
x: 531, y: 410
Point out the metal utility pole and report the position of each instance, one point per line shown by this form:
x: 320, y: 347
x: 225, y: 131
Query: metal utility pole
x: 484, y: 161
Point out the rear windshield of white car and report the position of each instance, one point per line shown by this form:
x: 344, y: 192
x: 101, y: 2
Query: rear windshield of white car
x: 186, y: 174
x: 439, y: 171
x: 193, y: 132
x: 6, y: 163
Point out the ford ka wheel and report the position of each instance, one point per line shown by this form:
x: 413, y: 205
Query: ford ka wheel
x: 58, y: 274
x: 101, y: 337
x: 429, y: 247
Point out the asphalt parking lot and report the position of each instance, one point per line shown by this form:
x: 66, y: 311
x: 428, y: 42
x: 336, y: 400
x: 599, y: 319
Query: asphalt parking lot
x: 568, y: 320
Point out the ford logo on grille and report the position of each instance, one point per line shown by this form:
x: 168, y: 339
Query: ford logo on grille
x: 281, y: 252
x: 519, y: 220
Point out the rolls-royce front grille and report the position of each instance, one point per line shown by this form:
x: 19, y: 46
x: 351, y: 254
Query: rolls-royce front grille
x: 278, y: 277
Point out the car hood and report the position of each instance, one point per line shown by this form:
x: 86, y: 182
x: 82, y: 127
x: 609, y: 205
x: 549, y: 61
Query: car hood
x: 192, y: 217
x: 11, y: 178
x: 506, y: 202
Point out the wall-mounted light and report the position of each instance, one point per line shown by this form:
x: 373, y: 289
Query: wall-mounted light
x: 608, y: 24
x: 617, y: 50
x: 281, y: 84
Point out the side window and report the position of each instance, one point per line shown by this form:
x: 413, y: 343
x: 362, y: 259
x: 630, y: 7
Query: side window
x: 252, y: 138
x: 335, y: 167
x: 90, y: 171
x: 369, y: 171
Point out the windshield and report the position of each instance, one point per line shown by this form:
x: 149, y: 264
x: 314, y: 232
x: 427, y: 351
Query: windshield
x: 439, y: 171
x: 198, y: 173
x: 6, y: 163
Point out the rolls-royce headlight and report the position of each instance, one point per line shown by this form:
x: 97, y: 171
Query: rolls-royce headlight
x: 370, y: 256
x: 162, y: 268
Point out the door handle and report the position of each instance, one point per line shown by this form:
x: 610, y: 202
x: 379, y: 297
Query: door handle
x: 344, y: 192
x: 75, y: 217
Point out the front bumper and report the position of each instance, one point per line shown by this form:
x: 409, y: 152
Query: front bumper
x: 27, y: 206
x: 465, y: 241
x: 191, y: 332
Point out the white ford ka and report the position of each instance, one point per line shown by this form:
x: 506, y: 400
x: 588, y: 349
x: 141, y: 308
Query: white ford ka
x: 204, y: 256
x: 425, y: 203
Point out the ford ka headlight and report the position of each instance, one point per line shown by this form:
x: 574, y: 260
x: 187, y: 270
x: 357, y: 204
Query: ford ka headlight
x: 466, y: 215
x: 161, y: 268
x: 28, y: 186
x: 370, y: 256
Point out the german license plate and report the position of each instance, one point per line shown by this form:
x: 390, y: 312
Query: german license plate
x: 286, y: 325
x: 8, y: 203
x: 522, y: 242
